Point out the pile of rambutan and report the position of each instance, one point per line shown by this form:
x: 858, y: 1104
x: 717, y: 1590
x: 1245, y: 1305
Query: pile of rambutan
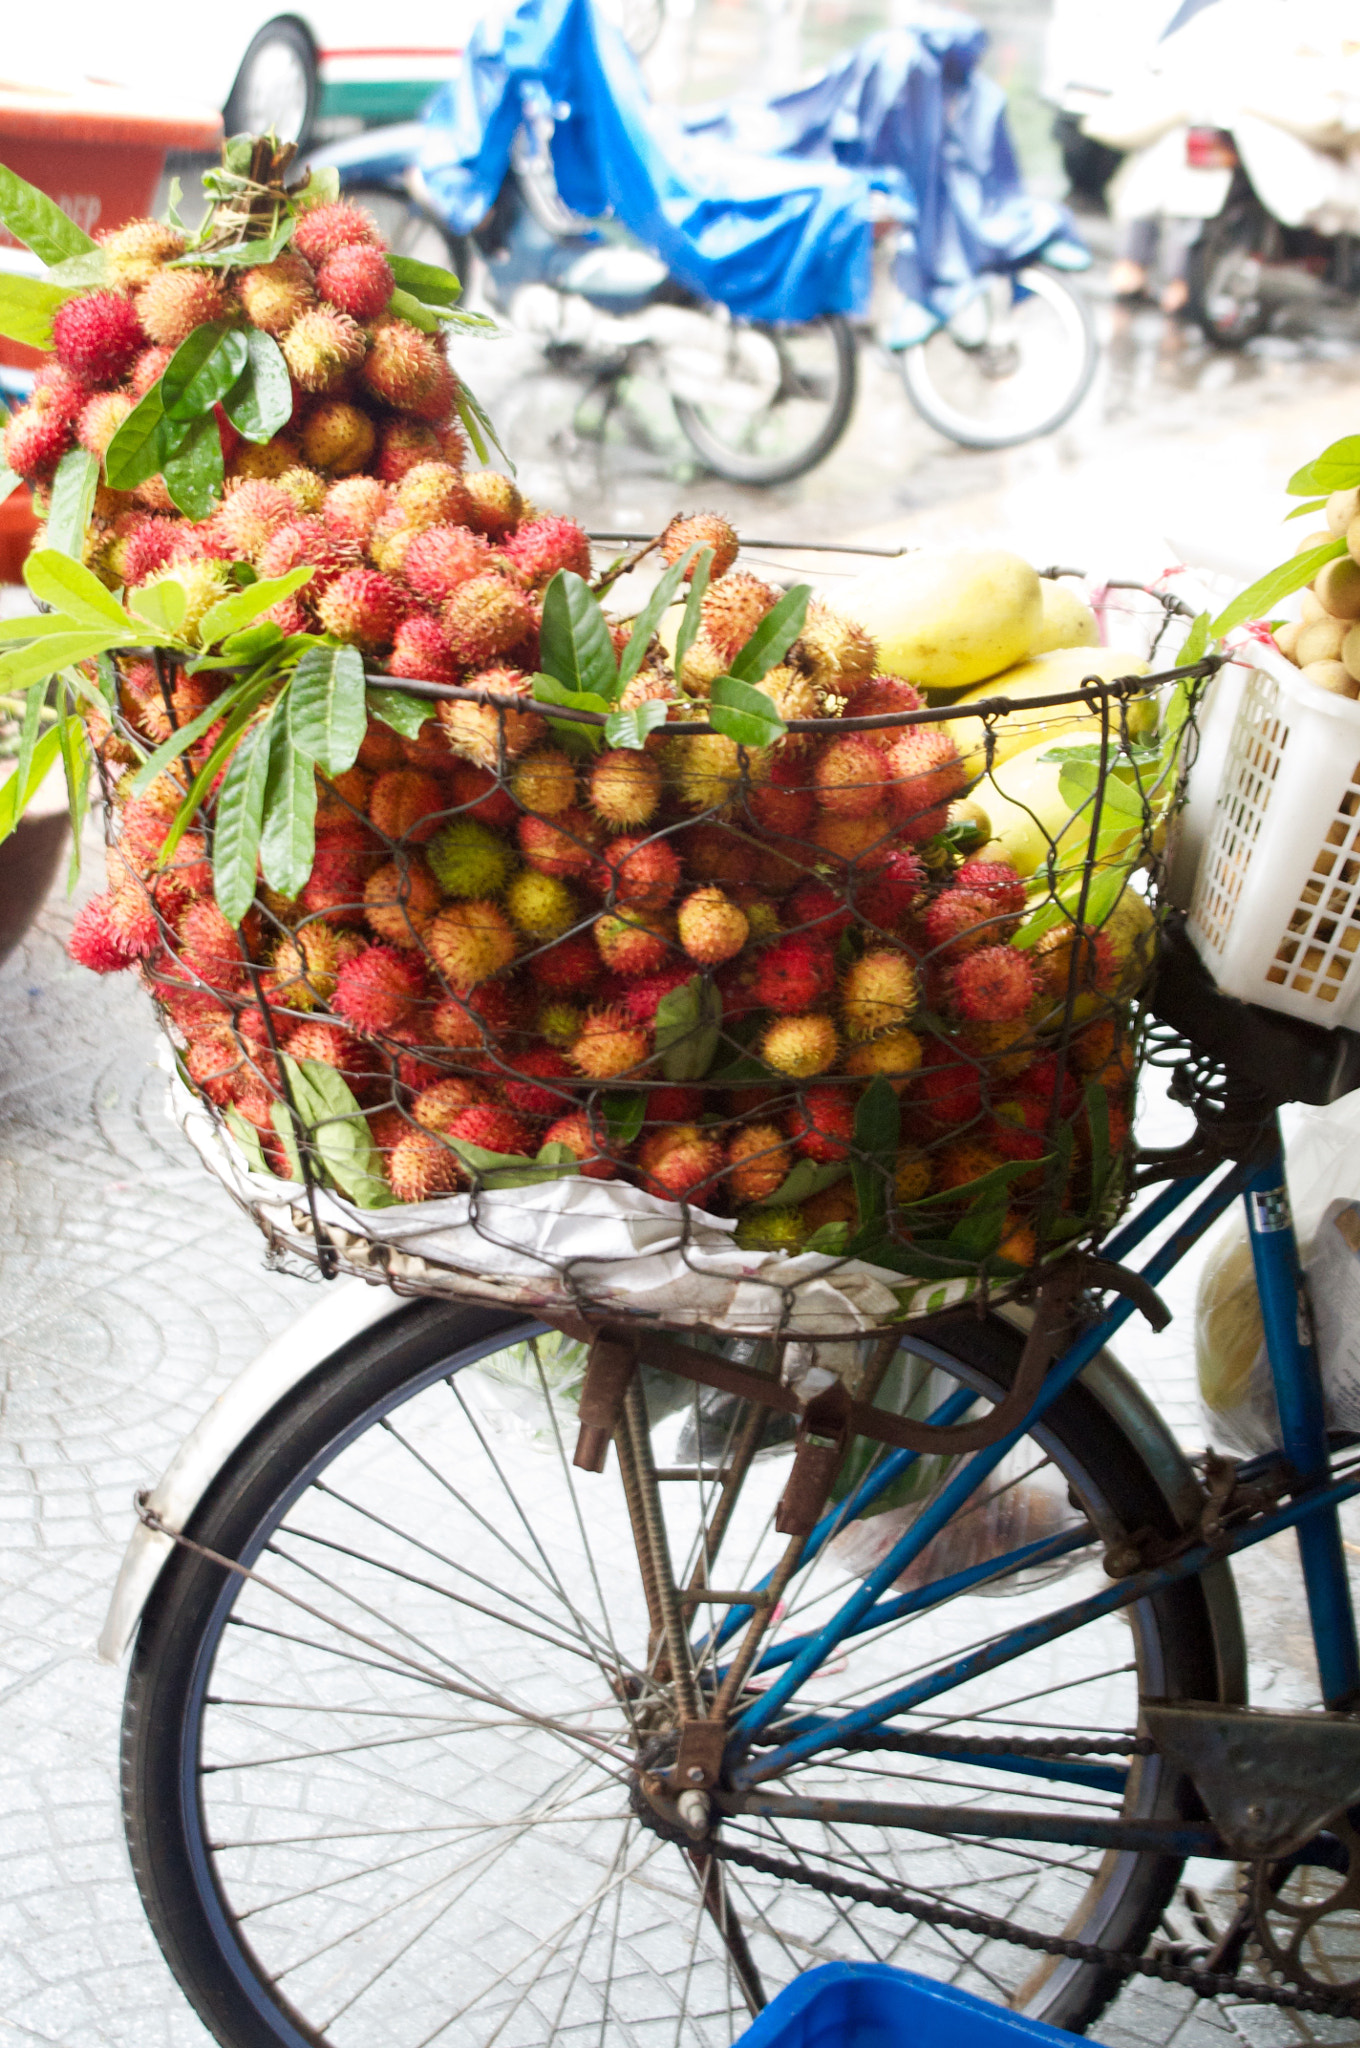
x: 714, y: 970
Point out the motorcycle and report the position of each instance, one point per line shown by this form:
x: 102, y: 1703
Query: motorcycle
x: 729, y: 252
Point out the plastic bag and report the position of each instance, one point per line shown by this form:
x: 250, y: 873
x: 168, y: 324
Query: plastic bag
x: 1322, y: 1152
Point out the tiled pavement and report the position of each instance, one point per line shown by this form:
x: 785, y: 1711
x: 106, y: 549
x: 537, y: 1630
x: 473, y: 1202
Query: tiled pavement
x: 132, y: 1292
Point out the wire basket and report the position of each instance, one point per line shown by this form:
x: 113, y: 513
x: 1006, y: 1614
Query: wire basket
x: 795, y: 1039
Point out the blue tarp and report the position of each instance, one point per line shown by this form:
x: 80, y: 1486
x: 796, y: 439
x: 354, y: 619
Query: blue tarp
x: 764, y: 208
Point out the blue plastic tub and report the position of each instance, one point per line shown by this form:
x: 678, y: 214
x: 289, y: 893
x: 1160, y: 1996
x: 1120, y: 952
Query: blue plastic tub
x: 868, y: 2005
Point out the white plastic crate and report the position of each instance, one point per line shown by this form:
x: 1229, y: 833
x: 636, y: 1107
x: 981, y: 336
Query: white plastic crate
x: 1275, y: 912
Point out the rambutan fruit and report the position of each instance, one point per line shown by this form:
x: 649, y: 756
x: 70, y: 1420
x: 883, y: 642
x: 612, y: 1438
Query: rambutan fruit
x: 470, y: 941
x: 575, y: 1132
x: 387, y: 1127
x: 541, y: 906
x: 822, y: 1125
x: 992, y: 985
x: 265, y: 458
x: 497, y: 506
x: 879, y: 993
x: 711, y: 927
x: 251, y: 514
x: 100, y: 419
x: 713, y: 853
x: 1003, y: 1049
x: 545, y: 782
x: 98, y: 336
x: 406, y: 804
x: 732, y: 609
x: 436, y: 1106
x: 420, y: 1167
x: 625, y: 788
x: 634, y: 942
x: 400, y: 898
x: 957, y: 1165
x: 912, y: 1176
x: 352, y: 507
x: 467, y: 859
x: 335, y: 887
x: 793, y: 696
x: 850, y: 840
x: 817, y: 910
x: 996, y: 879
x: 210, y: 948
x: 888, y: 886
x: 770, y: 1230
x: 138, y: 249
x: 571, y: 967
x: 876, y: 696
x: 337, y: 437
x: 357, y: 278
x: 303, y: 968
x: 493, y: 1130
x: 203, y: 583
x: 559, y: 1022
x: 849, y: 776
x: 701, y: 530
x: 642, y: 874
x: 960, y: 921
x: 321, y: 230
x: 472, y: 1017
x: 378, y: 988
x: 800, y: 1046
x: 674, y: 1105
x: 781, y: 800
x: 705, y: 770
x: 1018, y: 1128
x: 404, y: 368
x: 35, y: 441
x: 476, y: 791
x: 213, y: 1063
x: 794, y: 973
x: 148, y: 369
x: 441, y: 558
x: 758, y: 1162
x: 174, y: 302
x: 302, y: 543
x: 947, y: 1088
x: 404, y: 443
x: 432, y: 494
x: 95, y: 942
x: 540, y: 547
x: 1094, y: 967
x: 330, y: 1044
x: 274, y: 295
x: 484, y: 617
x: 362, y: 607
x: 701, y: 666
x: 1043, y: 1079
x: 833, y: 649
x: 643, y: 997
x: 894, y: 1054
x: 609, y: 1043
x: 525, y: 1090
x: 563, y: 846
x: 680, y: 1163
x: 927, y: 773
x: 419, y: 650
x: 148, y: 548
x: 390, y: 543
x: 320, y: 347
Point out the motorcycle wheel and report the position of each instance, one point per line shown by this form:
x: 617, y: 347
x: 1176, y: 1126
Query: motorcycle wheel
x: 1227, y: 273
x: 777, y: 399
x: 1011, y: 367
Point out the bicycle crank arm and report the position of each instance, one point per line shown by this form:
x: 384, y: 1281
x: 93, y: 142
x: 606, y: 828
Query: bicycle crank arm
x: 1007, y: 1824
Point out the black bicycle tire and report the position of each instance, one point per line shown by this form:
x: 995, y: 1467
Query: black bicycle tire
x: 162, y: 1814
x: 283, y: 28
x: 734, y: 469
x: 945, y: 422
x: 1216, y: 238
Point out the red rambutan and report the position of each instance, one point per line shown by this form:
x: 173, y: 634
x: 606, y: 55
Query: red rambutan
x: 357, y: 278
x: 35, y: 441
x: 362, y: 607
x: 562, y: 846
x: 733, y: 608
x: 680, y: 1163
x: 98, y: 336
x: 926, y: 773
x: 421, y: 1167
x: 876, y: 696
x: 643, y: 997
x: 947, y: 1088
x: 352, y: 507
x: 542, y: 546
x: 889, y: 886
x: 818, y: 910
x: 305, y: 543
x: 783, y: 803
x: 402, y: 445
x: 850, y: 776
x: 640, y: 874
x: 378, y: 988
x: 210, y: 947
x: 175, y: 302
x: 484, y: 617
x: 406, y: 370
x: 440, y: 559
x: 497, y: 506
x: 994, y: 878
x: 960, y: 921
x: 405, y: 804
x: 634, y: 942
x: 436, y: 1105
x: 321, y: 230
x: 610, y: 1043
x: 525, y: 1090
x: 675, y: 1105
x: 493, y: 1130
x: 320, y: 347
x: 477, y: 791
x: 575, y: 1132
x: 96, y: 942
x: 420, y: 650
x: 822, y: 1125
x: 148, y: 548
x: 251, y: 514
x: 571, y: 967
x: 702, y: 530
x: 794, y: 974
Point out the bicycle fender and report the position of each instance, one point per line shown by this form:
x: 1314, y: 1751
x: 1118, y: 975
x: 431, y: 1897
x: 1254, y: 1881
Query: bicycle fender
x: 346, y: 1309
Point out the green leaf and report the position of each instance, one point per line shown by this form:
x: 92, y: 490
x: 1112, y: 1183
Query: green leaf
x: 688, y: 1028
x: 27, y: 305
x: 511, y: 1169
x: 38, y: 222
x: 35, y: 626
x: 401, y: 712
x: 194, y: 473
x: 140, y: 445
x: 575, y: 738
x: 630, y: 728
x: 624, y: 1117
x: 477, y: 424
x: 327, y: 714
x: 239, y: 821
x: 55, y: 651
x: 1336, y: 469
x: 73, y: 489
x: 1262, y: 597
x: 9, y: 483
x: 574, y: 643
x: 980, y: 1230
x: 246, y: 648
x: 16, y: 795
x: 557, y: 1156
x: 80, y: 272
x: 406, y: 308
x: 743, y: 714
x: 1080, y: 783
x: 245, y: 255
x: 873, y: 1158
x: 648, y: 619
x: 1311, y: 505
x: 287, y: 1136
x: 829, y: 1238
x: 425, y: 281
x: 321, y: 189
x: 261, y: 399
x: 76, y: 760
x: 234, y: 613
x: 1196, y: 642
x: 1098, y: 1116
x: 806, y: 1179
x: 693, y: 617
x: 161, y: 604
x: 1000, y: 1177
x: 75, y: 590
x: 202, y: 370
x: 174, y: 193
x: 29, y: 729
x: 248, y: 1138
x: 773, y: 637
x: 288, y: 841
x: 339, y: 1132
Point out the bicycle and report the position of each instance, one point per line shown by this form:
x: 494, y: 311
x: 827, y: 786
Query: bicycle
x: 430, y: 1737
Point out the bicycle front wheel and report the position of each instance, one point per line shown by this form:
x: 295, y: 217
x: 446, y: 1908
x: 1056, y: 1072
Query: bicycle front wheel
x: 763, y: 404
x: 1015, y: 364
x: 385, y: 1793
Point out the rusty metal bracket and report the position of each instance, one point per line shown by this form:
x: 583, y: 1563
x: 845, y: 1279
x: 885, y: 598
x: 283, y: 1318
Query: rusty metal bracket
x: 698, y: 1759
x: 609, y: 1373
x: 823, y: 1437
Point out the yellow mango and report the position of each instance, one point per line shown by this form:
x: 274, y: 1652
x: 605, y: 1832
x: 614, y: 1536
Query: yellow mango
x: 947, y: 618
x: 1068, y: 620
x: 1028, y: 811
x: 1065, y: 668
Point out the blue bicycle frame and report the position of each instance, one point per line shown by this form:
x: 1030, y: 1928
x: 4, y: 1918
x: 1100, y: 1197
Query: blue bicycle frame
x: 1312, y: 1511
